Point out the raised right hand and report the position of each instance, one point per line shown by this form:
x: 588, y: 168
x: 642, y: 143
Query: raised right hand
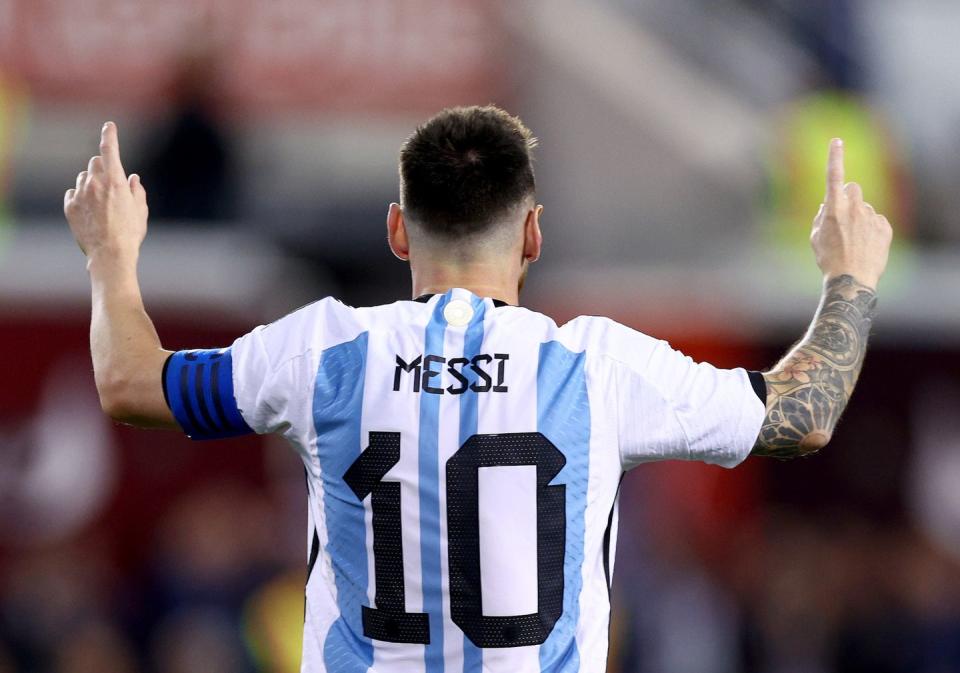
x: 849, y: 237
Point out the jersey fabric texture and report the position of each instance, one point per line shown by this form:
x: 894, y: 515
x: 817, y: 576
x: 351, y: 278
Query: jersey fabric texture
x: 463, y: 464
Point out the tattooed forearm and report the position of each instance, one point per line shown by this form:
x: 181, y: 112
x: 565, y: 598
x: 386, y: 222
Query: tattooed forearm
x: 809, y: 389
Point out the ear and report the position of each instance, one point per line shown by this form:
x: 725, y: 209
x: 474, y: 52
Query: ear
x: 532, y: 237
x: 397, y: 233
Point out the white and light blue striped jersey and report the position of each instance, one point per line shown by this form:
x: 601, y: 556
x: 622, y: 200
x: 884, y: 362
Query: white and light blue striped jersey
x: 464, y: 459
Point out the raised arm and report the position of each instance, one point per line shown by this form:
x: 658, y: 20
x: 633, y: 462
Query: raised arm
x: 107, y: 212
x: 810, y: 387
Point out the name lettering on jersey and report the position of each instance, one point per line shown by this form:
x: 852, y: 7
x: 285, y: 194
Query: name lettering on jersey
x: 437, y: 375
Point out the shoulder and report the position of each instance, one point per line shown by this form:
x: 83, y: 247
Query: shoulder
x: 328, y: 322
x: 608, y: 338
x: 401, y: 312
x: 298, y: 332
x: 305, y: 317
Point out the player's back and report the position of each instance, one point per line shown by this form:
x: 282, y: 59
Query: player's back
x: 463, y: 461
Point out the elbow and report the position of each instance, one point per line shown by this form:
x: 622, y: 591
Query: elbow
x: 813, y: 442
x: 115, y: 398
x: 810, y: 444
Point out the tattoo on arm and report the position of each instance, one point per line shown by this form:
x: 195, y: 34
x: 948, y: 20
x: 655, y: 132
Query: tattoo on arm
x: 809, y: 389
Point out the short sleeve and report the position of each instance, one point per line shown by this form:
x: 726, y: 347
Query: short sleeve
x: 670, y: 407
x: 262, y: 383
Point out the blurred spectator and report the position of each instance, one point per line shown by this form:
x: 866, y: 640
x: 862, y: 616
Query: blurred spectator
x: 48, y: 596
x: 189, y: 167
x: 829, y: 30
x: 273, y: 623
x: 215, y: 548
x: 6, y: 661
x: 198, y: 641
x: 95, y: 647
x: 934, y: 471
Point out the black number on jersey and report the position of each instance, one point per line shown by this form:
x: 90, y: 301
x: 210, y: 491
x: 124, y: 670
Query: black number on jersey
x: 388, y: 621
x: 463, y: 537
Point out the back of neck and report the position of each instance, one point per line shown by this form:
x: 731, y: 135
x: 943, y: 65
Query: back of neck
x: 483, y: 280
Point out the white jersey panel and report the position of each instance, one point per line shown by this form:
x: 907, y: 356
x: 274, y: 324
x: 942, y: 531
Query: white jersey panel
x: 396, y: 411
x: 511, y: 330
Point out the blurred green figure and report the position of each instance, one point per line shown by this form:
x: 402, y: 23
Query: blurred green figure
x: 12, y: 104
x: 796, y: 173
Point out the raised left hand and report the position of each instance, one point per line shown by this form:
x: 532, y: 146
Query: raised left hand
x: 106, y: 210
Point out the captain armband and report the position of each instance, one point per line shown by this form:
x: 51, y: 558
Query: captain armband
x: 198, y: 388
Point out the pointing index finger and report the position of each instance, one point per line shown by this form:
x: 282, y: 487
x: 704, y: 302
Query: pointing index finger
x: 835, y: 171
x: 110, y: 149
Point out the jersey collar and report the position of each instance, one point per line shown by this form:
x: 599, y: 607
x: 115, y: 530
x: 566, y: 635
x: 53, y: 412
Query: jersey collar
x: 424, y: 298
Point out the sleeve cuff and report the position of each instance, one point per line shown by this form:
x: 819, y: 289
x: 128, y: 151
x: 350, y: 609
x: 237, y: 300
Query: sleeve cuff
x: 759, y: 385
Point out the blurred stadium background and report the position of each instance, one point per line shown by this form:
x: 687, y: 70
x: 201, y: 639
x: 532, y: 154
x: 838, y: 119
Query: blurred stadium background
x: 681, y: 160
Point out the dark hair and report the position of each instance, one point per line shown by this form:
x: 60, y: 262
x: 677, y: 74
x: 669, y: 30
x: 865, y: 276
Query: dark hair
x: 463, y: 170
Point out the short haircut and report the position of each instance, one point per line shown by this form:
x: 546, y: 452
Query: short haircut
x: 465, y: 170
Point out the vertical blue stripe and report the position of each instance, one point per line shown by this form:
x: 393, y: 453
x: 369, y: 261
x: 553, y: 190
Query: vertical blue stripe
x: 472, y: 343
x: 429, y: 477
x: 563, y: 416
x: 337, y: 408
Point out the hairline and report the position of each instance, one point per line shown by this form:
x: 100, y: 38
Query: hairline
x: 494, y: 229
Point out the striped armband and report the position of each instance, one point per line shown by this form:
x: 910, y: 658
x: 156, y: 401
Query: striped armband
x: 198, y: 388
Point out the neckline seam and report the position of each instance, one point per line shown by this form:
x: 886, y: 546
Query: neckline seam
x: 424, y: 298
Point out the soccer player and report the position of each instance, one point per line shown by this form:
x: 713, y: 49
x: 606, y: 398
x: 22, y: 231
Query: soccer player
x: 464, y: 454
